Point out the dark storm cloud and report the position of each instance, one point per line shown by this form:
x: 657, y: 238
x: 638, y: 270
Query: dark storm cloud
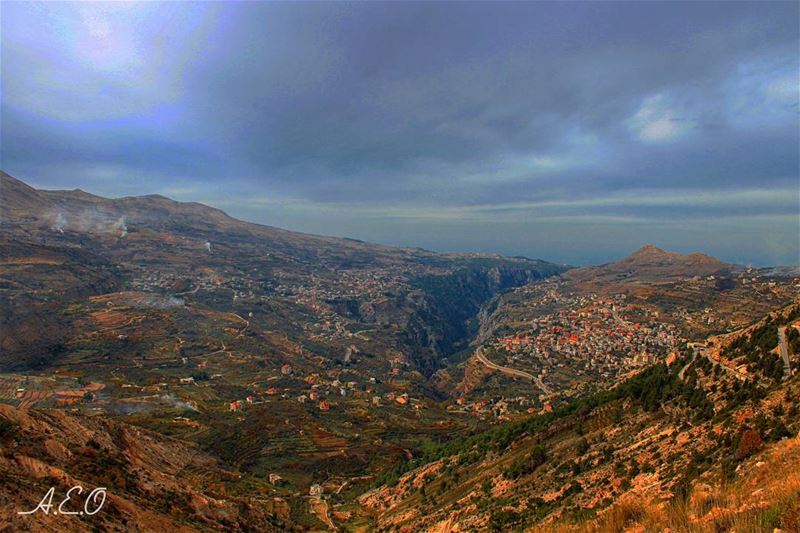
x: 386, y: 112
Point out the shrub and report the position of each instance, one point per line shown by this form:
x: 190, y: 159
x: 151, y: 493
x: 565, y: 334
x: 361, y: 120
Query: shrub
x: 583, y: 447
x: 749, y: 443
x: 8, y: 428
x: 503, y: 520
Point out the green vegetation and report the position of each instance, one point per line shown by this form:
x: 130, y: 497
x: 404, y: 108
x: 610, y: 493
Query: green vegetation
x: 527, y: 464
x: 793, y: 340
x: 8, y: 428
x: 761, y: 340
x: 656, y: 385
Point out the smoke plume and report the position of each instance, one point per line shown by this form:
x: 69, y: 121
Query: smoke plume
x: 59, y: 223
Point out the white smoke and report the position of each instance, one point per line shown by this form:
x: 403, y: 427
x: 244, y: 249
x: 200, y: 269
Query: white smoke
x: 59, y: 223
x: 89, y: 221
x: 180, y: 404
x: 208, y: 246
x: 120, y: 225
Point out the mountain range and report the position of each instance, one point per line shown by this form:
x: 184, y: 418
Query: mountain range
x: 229, y: 375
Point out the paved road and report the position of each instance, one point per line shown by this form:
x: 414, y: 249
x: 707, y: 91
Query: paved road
x: 787, y: 370
x: 685, y: 367
x: 512, y: 372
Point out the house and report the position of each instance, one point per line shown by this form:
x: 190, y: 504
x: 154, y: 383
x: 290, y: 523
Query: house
x: 235, y: 405
x: 315, y: 490
x: 324, y: 406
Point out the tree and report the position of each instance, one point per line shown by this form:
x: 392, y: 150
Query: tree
x: 749, y: 443
x: 528, y: 464
x: 583, y: 446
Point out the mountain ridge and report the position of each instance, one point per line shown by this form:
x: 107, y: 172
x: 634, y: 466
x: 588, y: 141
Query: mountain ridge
x: 20, y: 201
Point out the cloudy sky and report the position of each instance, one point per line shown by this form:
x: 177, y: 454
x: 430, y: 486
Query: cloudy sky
x: 573, y: 132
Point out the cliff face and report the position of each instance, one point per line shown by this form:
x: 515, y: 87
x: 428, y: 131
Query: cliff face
x: 446, y: 317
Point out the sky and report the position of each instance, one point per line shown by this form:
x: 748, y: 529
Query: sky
x: 573, y: 132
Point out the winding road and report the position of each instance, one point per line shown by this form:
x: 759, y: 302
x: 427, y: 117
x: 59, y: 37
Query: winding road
x: 685, y: 368
x: 702, y: 350
x: 512, y: 372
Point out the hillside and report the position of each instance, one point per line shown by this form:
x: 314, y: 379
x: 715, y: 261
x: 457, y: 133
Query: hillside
x: 289, y: 380
x: 586, y: 329
x: 680, y: 431
x: 276, y: 353
x: 168, y: 247
x: 154, y: 482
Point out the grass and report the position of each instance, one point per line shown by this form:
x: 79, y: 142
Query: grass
x: 765, y: 497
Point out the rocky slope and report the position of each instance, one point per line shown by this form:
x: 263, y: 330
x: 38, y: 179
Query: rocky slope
x: 154, y: 483
x: 659, y: 436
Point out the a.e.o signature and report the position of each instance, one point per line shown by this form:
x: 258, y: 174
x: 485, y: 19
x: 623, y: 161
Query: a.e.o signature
x: 91, y: 505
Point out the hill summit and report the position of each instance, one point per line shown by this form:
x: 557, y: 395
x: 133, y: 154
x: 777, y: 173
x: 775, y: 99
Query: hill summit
x: 651, y: 255
x: 651, y: 263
